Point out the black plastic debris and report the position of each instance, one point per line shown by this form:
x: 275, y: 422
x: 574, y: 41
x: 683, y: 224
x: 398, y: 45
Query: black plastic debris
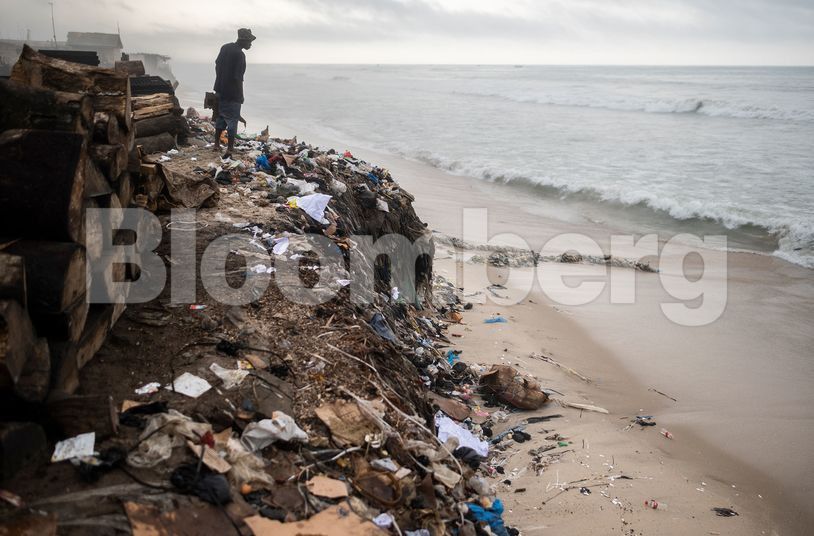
x: 521, y: 436
x: 645, y: 420
x: 228, y: 347
x: 381, y: 328
x: 544, y: 418
x: 134, y: 417
x: 92, y: 468
x: 468, y: 456
x: 208, y: 486
x: 725, y: 512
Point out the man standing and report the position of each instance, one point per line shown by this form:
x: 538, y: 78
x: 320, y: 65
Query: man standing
x: 229, y: 70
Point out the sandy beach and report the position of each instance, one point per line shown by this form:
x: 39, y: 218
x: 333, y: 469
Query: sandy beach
x: 736, y: 412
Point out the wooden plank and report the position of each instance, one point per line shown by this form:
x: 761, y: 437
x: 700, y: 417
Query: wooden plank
x: 147, y: 101
x: 42, y: 184
x: 153, y: 111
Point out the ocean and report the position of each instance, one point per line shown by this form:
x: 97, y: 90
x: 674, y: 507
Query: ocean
x: 705, y: 150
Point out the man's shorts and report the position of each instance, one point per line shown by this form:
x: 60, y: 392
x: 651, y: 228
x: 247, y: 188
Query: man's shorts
x: 228, y: 116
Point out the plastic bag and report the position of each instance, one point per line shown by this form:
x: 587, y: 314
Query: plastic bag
x: 281, y: 427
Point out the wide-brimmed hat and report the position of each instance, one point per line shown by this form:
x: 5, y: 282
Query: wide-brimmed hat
x: 245, y: 34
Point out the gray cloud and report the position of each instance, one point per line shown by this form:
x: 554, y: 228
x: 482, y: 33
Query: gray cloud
x: 446, y: 30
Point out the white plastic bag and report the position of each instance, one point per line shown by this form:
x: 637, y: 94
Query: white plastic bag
x: 281, y: 427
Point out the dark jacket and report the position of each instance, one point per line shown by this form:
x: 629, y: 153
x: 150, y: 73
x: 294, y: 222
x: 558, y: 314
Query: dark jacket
x: 229, y: 70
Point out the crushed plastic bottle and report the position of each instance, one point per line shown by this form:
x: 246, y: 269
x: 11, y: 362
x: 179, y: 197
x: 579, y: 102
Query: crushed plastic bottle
x: 666, y: 433
x: 655, y: 505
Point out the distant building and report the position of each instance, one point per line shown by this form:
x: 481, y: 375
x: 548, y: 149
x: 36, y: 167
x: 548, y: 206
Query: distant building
x: 108, y: 46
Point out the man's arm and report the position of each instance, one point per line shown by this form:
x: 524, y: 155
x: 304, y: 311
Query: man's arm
x: 238, y: 69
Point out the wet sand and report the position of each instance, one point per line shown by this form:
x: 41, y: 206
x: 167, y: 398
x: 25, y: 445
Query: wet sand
x: 743, y: 415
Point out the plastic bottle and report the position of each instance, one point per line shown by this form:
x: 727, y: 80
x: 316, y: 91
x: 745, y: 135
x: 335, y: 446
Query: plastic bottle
x: 655, y: 505
x: 666, y: 433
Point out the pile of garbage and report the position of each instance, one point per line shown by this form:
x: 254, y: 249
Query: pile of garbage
x: 284, y: 418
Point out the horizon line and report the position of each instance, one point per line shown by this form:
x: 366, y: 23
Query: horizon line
x: 418, y: 64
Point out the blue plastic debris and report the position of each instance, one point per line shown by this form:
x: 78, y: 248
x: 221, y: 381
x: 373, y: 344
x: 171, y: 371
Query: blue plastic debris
x: 492, y: 516
x: 373, y: 178
x: 262, y: 162
x: 453, y: 356
x: 496, y: 320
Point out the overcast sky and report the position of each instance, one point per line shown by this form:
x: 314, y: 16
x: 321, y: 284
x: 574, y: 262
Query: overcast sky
x: 696, y: 32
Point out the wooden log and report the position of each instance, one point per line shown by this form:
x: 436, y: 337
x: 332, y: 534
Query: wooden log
x: 39, y: 70
x: 157, y: 144
x: 65, y: 326
x: 134, y: 159
x: 12, y: 279
x: 130, y: 68
x: 55, y: 273
x: 112, y: 159
x: 106, y: 129
x: 76, y: 415
x: 67, y: 359
x: 96, y: 184
x: 103, y: 277
x: 124, y: 189
x: 35, y: 380
x: 42, y: 183
x: 17, y: 340
x: 118, y: 105
x: 149, y: 185
x: 94, y: 239
x: 25, y: 107
x: 153, y: 126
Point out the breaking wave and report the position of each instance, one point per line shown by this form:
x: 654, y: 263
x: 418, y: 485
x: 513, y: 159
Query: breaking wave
x: 700, y: 106
x: 794, y: 238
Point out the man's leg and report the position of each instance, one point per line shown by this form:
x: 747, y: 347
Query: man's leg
x: 232, y: 114
x: 220, y: 126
